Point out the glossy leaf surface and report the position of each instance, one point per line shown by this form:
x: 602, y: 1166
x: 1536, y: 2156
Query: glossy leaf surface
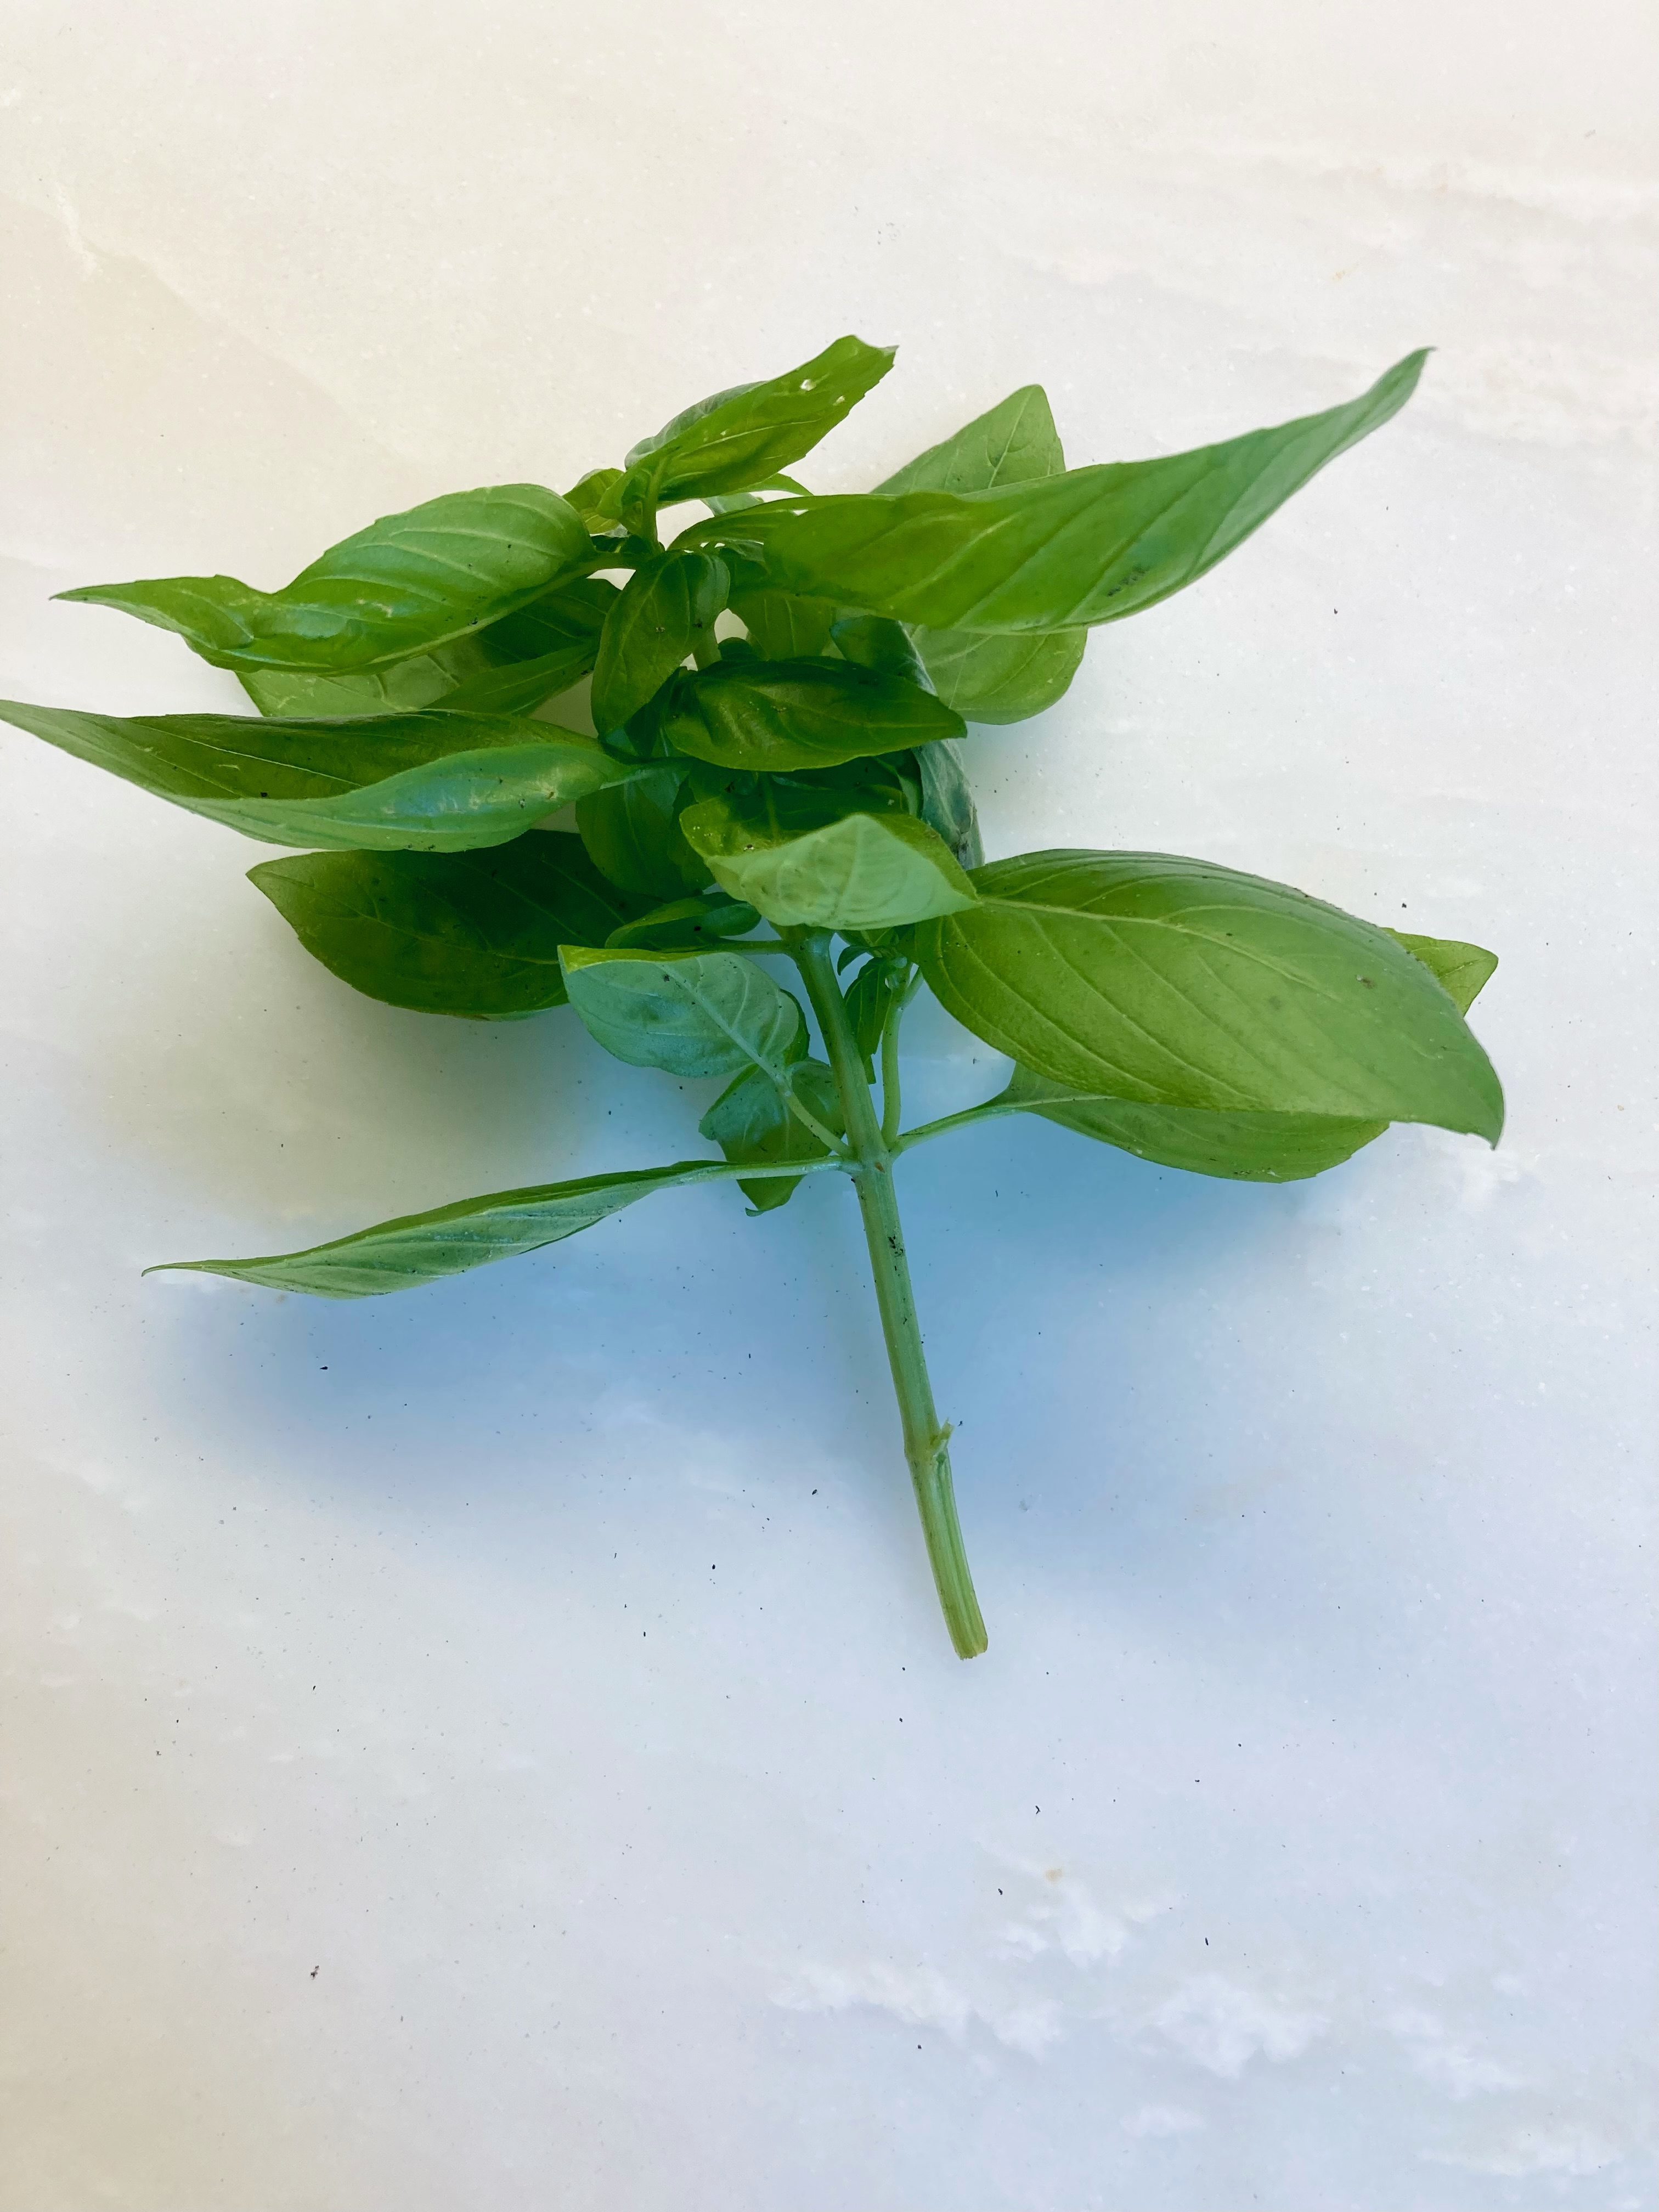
x: 1174, y: 982
x: 631, y: 830
x: 779, y: 715
x: 751, y: 1123
x: 698, y: 1013
x: 1090, y: 545
x: 1001, y: 679
x: 434, y: 782
x: 476, y: 934
x: 421, y: 1247
x: 408, y: 582
x: 665, y: 611
x: 805, y: 862
x: 739, y: 439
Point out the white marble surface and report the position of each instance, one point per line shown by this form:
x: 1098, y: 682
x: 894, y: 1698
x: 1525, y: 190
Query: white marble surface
x: 495, y: 1747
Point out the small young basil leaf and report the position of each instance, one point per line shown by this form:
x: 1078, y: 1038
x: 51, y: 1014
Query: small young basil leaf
x: 665, y: 611
x: 1001, y: 679
x: 875, y: 641
x: 996, y: 679
x: 1463, y: 971
x: 432, y: 782
x: 1013, y: 442
x: 947, y: 804
x: 806, y: 862
x: 689, y: 1013
x: 632, y: 833
x: 421, y: 1248
x: 737, y: 440
x: 593, y: 498
x: 685, y: 924
x: 869, y: 1002
x: 750, y: 1122
x: 1090, y: 545
x: 781, y: 627
x: 476, y: 934
x: 408, y: 582
x: 1175, y: 982
x: 782, y: 715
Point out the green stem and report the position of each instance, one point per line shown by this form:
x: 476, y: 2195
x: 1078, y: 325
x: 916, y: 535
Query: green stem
x: 892, y: 1109
x: 925, y: 1130
x: 925, y: 1439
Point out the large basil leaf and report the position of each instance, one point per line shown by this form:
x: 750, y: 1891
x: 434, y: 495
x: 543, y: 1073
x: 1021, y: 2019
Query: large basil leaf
x: 1174, y: 982
x: 420, y: 1248
x: 807, y: 862
x: 750, y: 1122
x: 1245, y: 1147
x: 782, y: 715
x: 877, y: 641
x: 476, y: 934
x: 432, y: 782
x: 1090, y: 545
x: 665, y: 611
x: 408, y: 582
x: 632, y: 833
x: 690, y: 1013
x: 1013, y: 442
x: 510, y: 668
x: 782, y: 627
x: 738, y: 439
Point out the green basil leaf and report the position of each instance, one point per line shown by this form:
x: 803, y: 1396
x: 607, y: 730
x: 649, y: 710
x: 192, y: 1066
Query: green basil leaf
x: 688, y: 924
x: 433, y: 782
x: 996, y: 679
x: 1243, y: 1147
x: 947, y: 804
x: 1246, y: 1147
x: 875, y: 641
x: 750, y: 1122
x: 408, y: 582
x: 737, y: 440
x: 476, y: 934
x: 1175, y: 982
x: 1013, y: 442
x: 689, y: 1013
x: 632, y: 833
x: 782, y: 627
x: 1090, y: 545
x: 805, y: 861
x: 869, y: 1002
x: 1463, y: 970
x: 666, y: 609
x: 789, y: 714
x: 510, y: 668
x: 421, y: 1248
x: 593, y: 498
x: 405, y: 687
x: 1001, y: 679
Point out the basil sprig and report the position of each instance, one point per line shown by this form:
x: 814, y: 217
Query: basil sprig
x: 779, y: 694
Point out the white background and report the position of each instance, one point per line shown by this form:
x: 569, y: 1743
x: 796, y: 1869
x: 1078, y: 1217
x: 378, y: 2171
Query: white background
x: 496, y: 1747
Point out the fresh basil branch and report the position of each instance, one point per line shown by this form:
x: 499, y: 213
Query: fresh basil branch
x: 777, y: 695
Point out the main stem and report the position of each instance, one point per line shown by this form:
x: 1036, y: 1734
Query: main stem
x: 926, y: 1441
